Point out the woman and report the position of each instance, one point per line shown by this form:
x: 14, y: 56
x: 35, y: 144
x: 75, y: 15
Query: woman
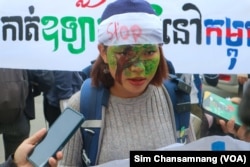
x: 132, y: 66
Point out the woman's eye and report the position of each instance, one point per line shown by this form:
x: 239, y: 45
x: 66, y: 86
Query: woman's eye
x: 150, y: 53
x: 121, y: 54
x: 146, y: 53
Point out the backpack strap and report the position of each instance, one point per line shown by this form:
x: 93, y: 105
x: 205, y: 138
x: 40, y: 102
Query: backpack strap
x: 179, y: 93
x: 92, y: 100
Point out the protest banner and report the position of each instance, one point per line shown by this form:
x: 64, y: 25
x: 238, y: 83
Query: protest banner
x: 200, y: 36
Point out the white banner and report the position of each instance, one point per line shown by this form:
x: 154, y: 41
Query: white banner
x: 201, y: 36
x: 211, y: 143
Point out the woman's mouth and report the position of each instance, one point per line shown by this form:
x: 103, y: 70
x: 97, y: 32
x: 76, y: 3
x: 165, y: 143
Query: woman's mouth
x: 137, y: 81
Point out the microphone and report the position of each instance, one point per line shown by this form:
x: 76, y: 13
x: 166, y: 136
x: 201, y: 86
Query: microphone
x: 244, y: 106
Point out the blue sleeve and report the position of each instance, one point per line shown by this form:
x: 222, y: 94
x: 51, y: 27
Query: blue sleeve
x: 63, y: 82
x: 67, y: 83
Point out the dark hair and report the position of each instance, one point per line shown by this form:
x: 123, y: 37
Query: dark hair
x: 99, y: 77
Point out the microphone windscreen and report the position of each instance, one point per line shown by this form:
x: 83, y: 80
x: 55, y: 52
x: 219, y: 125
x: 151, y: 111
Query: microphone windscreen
x: 244, y: 106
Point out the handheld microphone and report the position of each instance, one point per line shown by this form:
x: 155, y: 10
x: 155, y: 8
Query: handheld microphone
x: 244, y: 106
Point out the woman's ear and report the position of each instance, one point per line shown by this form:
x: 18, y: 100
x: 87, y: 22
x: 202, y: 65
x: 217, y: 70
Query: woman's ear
x: 102, y: 52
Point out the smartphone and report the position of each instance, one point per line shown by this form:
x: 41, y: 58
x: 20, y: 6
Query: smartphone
x: 220, y: 107
x: 56, y: 138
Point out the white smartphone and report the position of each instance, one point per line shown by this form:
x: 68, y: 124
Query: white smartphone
x: 56, y: 138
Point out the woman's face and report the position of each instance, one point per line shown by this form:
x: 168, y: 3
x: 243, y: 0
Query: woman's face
x: 132, y: 67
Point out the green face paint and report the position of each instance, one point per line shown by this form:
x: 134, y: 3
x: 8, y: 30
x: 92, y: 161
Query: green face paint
x: 121, y: 58
x: 151, y: 66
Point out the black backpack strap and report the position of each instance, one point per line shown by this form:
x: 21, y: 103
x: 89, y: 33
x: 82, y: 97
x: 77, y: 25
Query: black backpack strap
x: 179, y: 93
x: 91, y: 102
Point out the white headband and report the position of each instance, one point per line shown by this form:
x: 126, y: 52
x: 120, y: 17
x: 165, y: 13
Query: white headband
x: 131, y: 28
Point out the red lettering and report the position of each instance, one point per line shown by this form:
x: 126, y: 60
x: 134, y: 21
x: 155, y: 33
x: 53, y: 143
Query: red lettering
x: 114, y: 30
x: 124, y: 31
x: 81, y: 3
x: 136, y: 31
x: 109, y: 32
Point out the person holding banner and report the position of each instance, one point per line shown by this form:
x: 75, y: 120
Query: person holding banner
x: 55, y: 100
x: 14, y: 121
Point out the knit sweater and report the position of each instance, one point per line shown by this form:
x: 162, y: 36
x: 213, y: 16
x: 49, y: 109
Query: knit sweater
x: 139, y: 123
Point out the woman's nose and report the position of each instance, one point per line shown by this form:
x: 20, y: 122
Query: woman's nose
x: 137, y: 67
